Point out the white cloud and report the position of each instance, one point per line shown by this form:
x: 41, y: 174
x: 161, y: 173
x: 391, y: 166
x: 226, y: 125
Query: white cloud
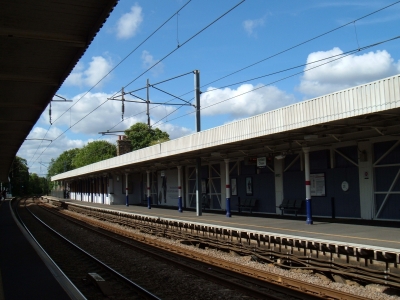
x: 244, y: 103
x: 128, y: 24
x: 148, y: 61
x: 98, y: 68
x: 106, y: 116
x: 100, y: 120
x: 251, y: 25
x: 350, y: 71
x: 174, y: 131
x: 39, y: 153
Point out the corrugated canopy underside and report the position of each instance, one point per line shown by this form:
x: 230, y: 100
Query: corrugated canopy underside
x: 363, y: 112
x: 40, y: 43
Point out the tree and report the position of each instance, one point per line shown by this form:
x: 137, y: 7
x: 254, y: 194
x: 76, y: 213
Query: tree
x: 94, y: 152
x: 19, y: 176
x: 63, y: 162
x: 141, y: 136
x: 37, y: 185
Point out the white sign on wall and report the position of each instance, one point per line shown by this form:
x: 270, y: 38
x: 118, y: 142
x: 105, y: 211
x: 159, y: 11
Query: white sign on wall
x: 261, y: 162
x: 168, y: 187
x: 317, y: 182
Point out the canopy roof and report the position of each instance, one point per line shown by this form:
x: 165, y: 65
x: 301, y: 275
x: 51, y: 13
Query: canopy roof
x: 40, y: 43
x: 368, y: 111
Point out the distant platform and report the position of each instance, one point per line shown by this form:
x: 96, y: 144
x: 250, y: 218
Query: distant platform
x: 355, y: 239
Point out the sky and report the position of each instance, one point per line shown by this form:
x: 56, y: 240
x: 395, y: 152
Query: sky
x: 253, y: 56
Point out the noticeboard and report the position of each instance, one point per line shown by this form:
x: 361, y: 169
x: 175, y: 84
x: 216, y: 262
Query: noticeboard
x: 261, y: 162
x: 317, y: 182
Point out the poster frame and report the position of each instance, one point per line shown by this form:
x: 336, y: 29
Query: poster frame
x: 321, y: 179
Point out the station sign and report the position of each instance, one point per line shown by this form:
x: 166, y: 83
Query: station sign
x: 261, y: 162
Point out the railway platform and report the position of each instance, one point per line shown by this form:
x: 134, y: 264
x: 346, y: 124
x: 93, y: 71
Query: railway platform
x: 25, y: 272
x: 337, y: 241
x: 367, y: 235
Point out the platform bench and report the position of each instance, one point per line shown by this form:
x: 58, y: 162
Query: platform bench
x: 248, y: 204
x: 290, y: 205
x: 205, y: 202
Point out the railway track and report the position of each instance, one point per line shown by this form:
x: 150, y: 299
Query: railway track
x: 94, y: 278
x: 336, y: 271
x: 279, y: 259
x: 252, y: 287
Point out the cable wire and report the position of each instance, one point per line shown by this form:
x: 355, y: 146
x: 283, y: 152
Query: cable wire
x: 188, y: 40
x: 336, y: 57
x: 185, y: 42
x: 292, y: 75
x: 129, y: 54
x: 296, y: 46
x: 305, y: 42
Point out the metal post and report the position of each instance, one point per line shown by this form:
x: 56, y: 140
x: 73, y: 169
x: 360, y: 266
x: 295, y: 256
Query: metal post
x: 197, y: 97
x: 148, y: 190
x: 148, y: 103
x: 102, y: 190
x: 126, y: 189
x: 198, y: 128
x: 228, y: 189
x: 179, y: 189
x: 198, y: 187
x: 123, y: 104
x: 306, y: 151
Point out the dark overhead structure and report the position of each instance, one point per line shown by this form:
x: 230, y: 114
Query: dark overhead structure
x: 40, y: 43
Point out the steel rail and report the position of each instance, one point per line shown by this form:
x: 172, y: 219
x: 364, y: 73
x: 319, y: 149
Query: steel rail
x: 105, y: 231
x: 142, y: 291
x: 286, y: 282
x: 290, y: 261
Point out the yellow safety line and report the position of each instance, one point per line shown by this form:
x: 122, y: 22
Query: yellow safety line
x: 294, y: 230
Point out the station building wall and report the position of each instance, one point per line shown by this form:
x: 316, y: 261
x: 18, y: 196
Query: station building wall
x: 336, y: 202
x: 346, y: 163
x: 263, y: 186
x: 387, y: 183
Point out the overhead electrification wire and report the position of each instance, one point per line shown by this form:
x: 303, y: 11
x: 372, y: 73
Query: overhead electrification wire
x: 335, y: 58
x: 276, y: 54
x: 343, y: 55
x: 188, y: 40
x: 281, y: 52
x: 155, y: 106
x: 129, y: 54
x: 185, y: 42
x: 282, y: 71
x: 297, y: 45
x: 305, y: 42
x: 262, y: 76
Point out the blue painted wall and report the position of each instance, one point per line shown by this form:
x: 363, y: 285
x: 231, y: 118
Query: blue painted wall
x: 263, y: 187
x: 384, y: 177
x: 344, y: 204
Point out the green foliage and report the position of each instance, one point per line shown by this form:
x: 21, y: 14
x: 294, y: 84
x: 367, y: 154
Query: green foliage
x: 141, y: 136
x: 94, y: 152
x: 37, y: 185
x: 63, y: 163
x: 19, y: 177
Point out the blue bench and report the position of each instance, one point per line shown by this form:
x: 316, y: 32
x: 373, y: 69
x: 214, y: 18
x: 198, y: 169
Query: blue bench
x: 290, y: 205
x: 248, y: 203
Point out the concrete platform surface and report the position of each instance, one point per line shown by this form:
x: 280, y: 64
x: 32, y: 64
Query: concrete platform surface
x: 375, y: 237
x: 23, y: 272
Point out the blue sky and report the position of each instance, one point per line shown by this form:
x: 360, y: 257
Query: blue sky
x: 250, y: 33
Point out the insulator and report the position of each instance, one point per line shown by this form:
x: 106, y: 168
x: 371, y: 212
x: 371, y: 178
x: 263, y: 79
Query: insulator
x: 50, y: 113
